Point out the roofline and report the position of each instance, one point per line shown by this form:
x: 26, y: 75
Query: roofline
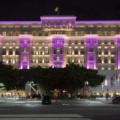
x: 57, y: 17
x: 20, y: 22
x: 95, y: 22
x: 76, y: 22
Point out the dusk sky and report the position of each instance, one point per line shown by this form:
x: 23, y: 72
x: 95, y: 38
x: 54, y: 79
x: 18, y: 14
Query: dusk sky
x: 83, y: 9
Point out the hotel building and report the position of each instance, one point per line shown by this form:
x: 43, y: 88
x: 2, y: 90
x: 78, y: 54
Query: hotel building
x: 57, y: 40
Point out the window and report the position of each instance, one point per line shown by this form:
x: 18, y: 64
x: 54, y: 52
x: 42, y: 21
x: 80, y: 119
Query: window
x: 25, y: 32
x: 106, y: 52
x: 112, y: 67
x: 91, y: 58
x: 58, y: 58
x: 99, y: 59
x: 69, y: 60
x: 4, y: 33
x: 76, y: 51
x: 40, y: 51
x: 70, y: 42
x: 10, y: 51
x: 40, y: 33
x: 91, y: 49
x: 99, y: 33
x: 106, y: 41
x: 69, y: 51
x: 25, y: 41
x: 99, y: 52
x: 99, y: 67
x: 82, y: 52
x: 3, y: 51
x: 112, y: 60
x: 46, y: 60
x: 82, y: 33
x: 24, y: 49
x: 82, y: 42
x: 25, y: 58
x: 46, y: 33
x: 58, y: 51
x: 91, y: 41
x: 25, y: 67
x: 106, y: 67
x: 58, y: 41
x: 17, y: 33
x: 75, y: 60
x: 40, y: 60
x: 17, y: 52
x: 34, y: 34
x: 10, y: 33
x: 106, y: 60
x: 112, y: 41
x: 76, y: 33
x: 82, y: 60
x: 76, y: 42
x: 113, y: 51
x: 99, y: 41
x: 46, y: 51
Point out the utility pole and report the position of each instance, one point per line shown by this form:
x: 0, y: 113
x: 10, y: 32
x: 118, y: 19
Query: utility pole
x: 30, y: 90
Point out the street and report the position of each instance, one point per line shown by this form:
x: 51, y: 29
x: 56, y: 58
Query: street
x: 85, y: 110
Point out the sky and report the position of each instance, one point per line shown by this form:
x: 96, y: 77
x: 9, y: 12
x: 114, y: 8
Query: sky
x: 84, y: 9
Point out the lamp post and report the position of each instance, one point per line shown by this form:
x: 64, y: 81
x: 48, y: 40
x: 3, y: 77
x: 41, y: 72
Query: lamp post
x: 30, y: 88
x: 86, y: 83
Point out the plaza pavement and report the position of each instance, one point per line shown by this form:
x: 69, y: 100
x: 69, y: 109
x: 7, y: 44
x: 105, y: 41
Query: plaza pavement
x: 58, y: 102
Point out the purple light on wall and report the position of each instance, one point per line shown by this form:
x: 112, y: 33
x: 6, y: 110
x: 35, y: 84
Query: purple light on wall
x: 49, y: 25
x: 20, y: 22
x: 25, y: 43
x: 57, y: 45
x: 58, y: 18
x: 61, y: 25
x: 55, y: 25
x: 43, y: 25
x: 118, y: 45
x: 96, y: 22
x: 73, y: 25
x: 67, y: 25
x: 91, y: 43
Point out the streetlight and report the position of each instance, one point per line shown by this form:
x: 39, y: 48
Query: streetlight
x: 30, y: 88
x: 86, y: 83
x: 30, y: 84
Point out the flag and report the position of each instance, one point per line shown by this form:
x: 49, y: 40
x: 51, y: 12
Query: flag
x: 57, y: 9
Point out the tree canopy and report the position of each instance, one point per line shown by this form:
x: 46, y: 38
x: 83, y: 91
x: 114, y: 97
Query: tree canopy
x: 70, y: 78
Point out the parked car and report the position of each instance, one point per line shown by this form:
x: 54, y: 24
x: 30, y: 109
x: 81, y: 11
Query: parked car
x: 116, y: 100
x: 46, y: 99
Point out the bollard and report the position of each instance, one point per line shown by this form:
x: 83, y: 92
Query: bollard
x: 31, y: 98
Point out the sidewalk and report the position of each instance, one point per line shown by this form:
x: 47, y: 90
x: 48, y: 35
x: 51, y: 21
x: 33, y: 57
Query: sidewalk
x: 59, y: 101
x: 109, y: 101
x: 17, y: 101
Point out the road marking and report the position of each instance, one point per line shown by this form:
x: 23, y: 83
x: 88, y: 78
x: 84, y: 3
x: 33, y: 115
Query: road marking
x: 4, y: 109
x: 42, y: 116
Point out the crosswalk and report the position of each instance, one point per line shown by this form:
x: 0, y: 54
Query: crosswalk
x: 43, y: 117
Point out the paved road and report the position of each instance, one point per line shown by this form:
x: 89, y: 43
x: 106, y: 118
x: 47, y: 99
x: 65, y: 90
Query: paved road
x: 91, y: 110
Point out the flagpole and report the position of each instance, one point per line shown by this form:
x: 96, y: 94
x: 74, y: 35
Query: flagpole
x: 58, y: 11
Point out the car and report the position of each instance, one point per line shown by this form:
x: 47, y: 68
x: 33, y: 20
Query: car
x: 116, y: 100
x: 46, y: 99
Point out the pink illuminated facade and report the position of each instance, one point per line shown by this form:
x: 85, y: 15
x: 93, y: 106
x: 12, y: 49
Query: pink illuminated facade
x: 57, y: 40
